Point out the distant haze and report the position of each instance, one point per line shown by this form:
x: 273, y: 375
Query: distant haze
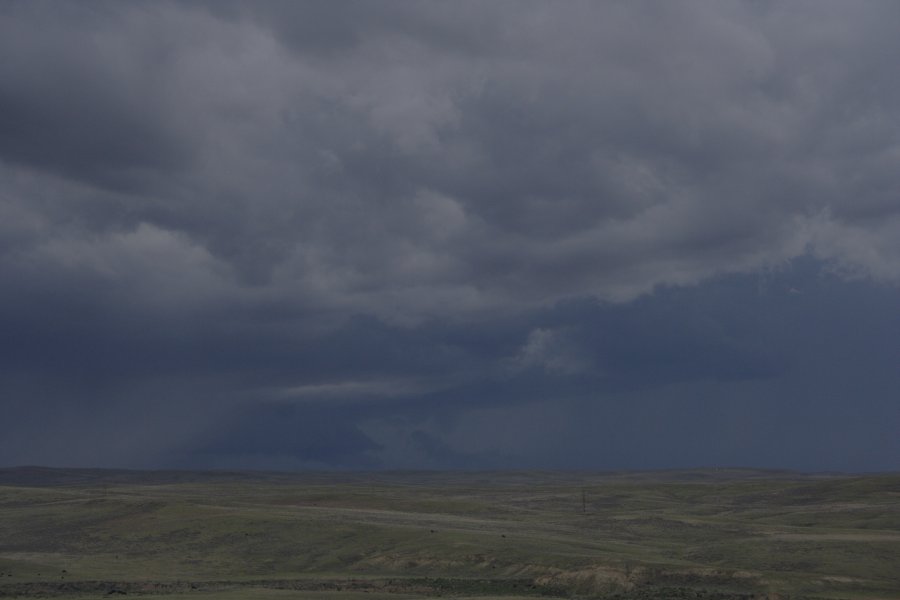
x: 375, y: 234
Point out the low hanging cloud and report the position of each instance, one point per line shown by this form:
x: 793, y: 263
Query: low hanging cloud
x: 548, y: 350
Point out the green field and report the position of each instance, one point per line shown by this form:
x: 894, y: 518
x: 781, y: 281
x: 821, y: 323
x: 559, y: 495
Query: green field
x: 690, y: 534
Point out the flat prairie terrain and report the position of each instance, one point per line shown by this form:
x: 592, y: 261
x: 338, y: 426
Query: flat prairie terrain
x: 716, y: 534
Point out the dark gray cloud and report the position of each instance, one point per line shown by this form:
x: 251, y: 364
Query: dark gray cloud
x: 379, y: 231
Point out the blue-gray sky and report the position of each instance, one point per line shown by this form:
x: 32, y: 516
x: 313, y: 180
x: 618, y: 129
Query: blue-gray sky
x: 598, y: 235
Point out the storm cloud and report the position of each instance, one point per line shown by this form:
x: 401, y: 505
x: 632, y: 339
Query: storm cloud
x: 364, y: 235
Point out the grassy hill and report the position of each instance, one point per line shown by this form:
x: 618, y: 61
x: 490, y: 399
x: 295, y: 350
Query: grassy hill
x: 676, y: 534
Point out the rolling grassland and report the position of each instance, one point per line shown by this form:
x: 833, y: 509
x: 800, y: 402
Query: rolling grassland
x: 340, y: 536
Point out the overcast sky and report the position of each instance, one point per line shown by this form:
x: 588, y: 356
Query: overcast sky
x: 379, y: 234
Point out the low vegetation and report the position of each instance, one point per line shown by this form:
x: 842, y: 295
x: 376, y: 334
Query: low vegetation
x: 725, y: 534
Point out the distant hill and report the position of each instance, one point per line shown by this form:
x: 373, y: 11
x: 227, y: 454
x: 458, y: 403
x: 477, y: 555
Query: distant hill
x: 39, y: 476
